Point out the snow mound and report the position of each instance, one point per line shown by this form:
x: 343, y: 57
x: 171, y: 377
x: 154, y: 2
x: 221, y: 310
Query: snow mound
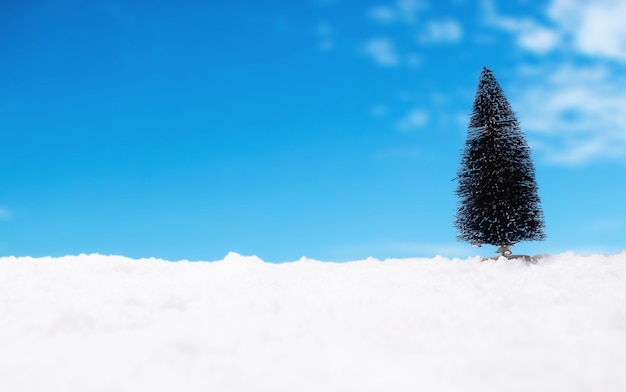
x: 110, y: 323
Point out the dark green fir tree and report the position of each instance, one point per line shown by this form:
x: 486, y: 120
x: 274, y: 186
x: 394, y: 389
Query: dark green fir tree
x: 497, y: 190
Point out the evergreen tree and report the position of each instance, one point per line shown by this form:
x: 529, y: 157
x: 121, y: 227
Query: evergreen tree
x: 498, y: 201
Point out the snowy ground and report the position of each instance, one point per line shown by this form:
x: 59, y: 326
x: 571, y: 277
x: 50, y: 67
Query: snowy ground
x: 103, y: 323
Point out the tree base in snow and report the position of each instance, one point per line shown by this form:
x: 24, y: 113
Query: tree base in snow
x: 525, y: 258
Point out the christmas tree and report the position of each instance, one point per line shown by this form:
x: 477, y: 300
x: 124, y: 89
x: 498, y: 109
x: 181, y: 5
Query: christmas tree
x: 497, y: 190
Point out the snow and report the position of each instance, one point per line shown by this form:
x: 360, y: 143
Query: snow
x: 109, y: 323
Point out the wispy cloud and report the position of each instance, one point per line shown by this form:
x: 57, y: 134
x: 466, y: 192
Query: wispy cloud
x: 529, y: 33
x: 406, y: 11
x: 413, y: 16
x: 574, y: 105
x: 382, y: 51
x: 575, y: 114
x: 591, y: 28
x: 414, y: 120
x: 441, y: 31
x: 594, y: 28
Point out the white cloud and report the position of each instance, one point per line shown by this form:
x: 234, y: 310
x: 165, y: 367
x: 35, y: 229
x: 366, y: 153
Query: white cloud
x: 591, y: 28
x: 538, y: 39
x: 530, y: 34
x: 596, y: 28
x: 416, y: 119
x: 442, y: 31
x: 383, y: 52
x: 574, y: 114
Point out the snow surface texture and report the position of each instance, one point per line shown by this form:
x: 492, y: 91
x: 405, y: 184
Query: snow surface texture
x: 109, y: 323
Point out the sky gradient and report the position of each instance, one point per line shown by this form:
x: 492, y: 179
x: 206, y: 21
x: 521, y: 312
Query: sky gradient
x: 323, y: 128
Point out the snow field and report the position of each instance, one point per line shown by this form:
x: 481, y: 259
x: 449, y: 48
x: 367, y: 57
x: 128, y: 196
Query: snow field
x: 109, y: 323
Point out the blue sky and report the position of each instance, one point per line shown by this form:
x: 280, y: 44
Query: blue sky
x: 326, y: 128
